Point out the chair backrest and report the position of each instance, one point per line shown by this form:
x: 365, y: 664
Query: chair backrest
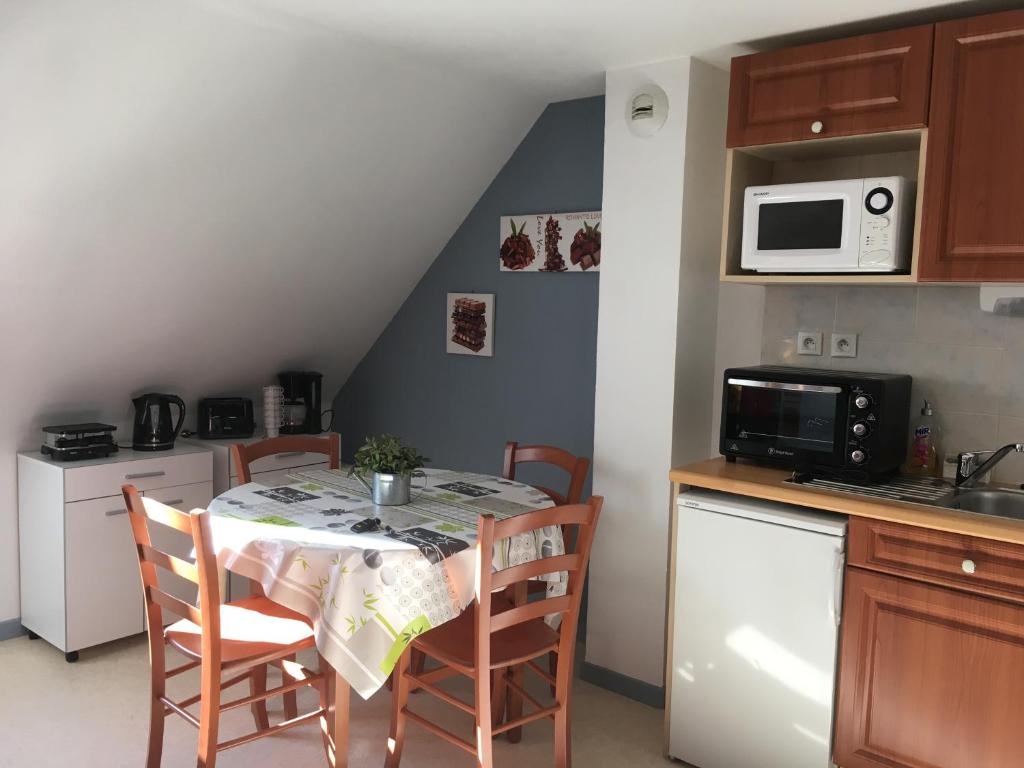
x: 514, y: 579
x: 203, y: 571
x: 577, y: 467
x: 243, y: 455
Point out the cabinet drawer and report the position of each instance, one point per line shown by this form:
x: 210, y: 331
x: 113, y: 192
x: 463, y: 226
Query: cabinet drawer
x: 857, y: 85
x: 964, y: 562
x: 278, y: 475
x: 157, y: 472
x: 101, y: 580
x: 279, y: 461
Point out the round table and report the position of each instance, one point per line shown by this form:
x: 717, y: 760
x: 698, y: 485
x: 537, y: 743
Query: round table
x: 372, y: 578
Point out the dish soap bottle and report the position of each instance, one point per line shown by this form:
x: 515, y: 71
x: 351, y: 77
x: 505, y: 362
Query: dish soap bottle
x: 923, y: 458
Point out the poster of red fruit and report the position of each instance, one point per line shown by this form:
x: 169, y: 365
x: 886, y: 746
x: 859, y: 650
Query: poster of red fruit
x: 551, y: 242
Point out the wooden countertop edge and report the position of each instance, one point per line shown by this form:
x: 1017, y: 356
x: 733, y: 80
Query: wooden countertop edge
x: 767, y: 483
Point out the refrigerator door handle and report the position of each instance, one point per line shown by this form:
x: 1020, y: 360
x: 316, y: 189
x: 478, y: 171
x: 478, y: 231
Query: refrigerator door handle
x: 836, y: 608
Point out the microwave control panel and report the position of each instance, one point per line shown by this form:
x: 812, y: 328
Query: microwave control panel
x: 883, y: 224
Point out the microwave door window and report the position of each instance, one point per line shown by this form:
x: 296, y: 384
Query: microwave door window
x: 800, y: 225
x: 779, y: 418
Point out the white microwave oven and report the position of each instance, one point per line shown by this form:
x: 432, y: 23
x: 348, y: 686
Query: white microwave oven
x: 854, y: 225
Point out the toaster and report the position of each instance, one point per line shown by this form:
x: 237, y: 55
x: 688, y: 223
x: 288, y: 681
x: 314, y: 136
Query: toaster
x: 221, y: 417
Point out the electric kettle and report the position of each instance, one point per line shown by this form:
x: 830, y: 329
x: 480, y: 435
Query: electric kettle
x: 153, y: 429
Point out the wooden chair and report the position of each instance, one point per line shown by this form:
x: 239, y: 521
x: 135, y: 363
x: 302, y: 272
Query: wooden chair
x: 577, y: 467
x: 241, y: 637
x: 496, y: 636
x: 243, y: 455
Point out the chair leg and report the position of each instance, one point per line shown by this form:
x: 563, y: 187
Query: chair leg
x: 553, y: 667
x: 515, y: 705
x: 209, y: 715
x: 291, y: 700
x: 499, y: 692
x: 484, y: 729
x: 258, y: 685
x: 157, y: 717
x: 563, y: 739
x: 399, y: 701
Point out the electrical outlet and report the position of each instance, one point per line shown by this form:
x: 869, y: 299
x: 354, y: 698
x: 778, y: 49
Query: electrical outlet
x: 844, y: 345
x: 808, y: 343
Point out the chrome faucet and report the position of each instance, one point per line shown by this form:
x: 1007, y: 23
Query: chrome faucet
x: 968, y: 470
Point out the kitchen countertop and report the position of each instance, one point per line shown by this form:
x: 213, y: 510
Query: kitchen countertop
x: 746, y: 479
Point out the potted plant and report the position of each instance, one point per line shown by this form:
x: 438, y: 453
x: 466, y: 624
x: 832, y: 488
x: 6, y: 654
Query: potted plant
x: 390, y: 464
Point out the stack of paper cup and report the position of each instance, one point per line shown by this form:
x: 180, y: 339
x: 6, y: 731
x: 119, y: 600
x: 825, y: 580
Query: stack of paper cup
x: 273, y: 409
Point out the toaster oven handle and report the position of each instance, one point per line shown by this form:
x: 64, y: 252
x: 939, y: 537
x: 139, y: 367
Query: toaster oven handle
x: 788, y: 386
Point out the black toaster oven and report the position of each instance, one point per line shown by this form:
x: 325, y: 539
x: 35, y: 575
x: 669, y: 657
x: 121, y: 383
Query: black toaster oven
x: 822, y: 422
x: 221, y: 417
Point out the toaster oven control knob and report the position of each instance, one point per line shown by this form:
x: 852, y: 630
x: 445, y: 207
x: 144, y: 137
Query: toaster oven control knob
x: 862, y: 401
x: 858, y: 456
x: 860, y: 429
x: 817, y: 126
x: 879, y: 200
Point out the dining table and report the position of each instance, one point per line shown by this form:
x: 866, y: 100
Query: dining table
x: 371, y: 578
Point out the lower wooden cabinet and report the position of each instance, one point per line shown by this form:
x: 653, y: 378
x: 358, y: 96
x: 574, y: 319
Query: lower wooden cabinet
x: 930, y: 677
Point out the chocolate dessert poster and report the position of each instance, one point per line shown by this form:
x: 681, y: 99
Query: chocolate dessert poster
x: 551, y: 242
x: 469, y: 327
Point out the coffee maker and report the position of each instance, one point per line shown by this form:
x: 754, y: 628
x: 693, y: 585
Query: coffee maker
x: 302, y: 401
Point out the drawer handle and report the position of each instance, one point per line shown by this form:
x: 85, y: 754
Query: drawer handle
x: 172, y: 502
x: 968, y: 566
x: 817, y: 126
x: 116, y: 512
x: 292, y: 455
x: 140, y: 475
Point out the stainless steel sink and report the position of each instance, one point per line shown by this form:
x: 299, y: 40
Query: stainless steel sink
x: 1000, y: 502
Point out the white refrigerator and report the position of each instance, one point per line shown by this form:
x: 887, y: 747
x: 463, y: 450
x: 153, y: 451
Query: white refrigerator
x: 758, y: 596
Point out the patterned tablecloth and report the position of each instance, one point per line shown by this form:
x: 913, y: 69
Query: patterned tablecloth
x: 370, y: 577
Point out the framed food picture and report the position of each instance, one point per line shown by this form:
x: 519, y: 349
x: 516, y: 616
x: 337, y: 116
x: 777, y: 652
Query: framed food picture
x: 551, y: 242
x: 469, y: 325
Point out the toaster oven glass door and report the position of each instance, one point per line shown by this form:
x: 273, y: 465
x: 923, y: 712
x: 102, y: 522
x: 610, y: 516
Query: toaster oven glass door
x: 782, y: 419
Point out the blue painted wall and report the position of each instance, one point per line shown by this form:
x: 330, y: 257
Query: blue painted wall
x: 539, y: 386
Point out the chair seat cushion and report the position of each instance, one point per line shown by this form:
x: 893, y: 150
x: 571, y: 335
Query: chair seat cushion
x: 250, y: 628
x: 453, y: 640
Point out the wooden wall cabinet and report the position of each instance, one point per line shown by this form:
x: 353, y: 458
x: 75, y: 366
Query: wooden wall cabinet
x: 973, y: 225
x: 929, y: 676
x: 865, y: 84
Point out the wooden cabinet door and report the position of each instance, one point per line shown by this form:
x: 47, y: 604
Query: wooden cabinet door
x: 861, y: 84
x: 929, y: 677
x: 973, y: 220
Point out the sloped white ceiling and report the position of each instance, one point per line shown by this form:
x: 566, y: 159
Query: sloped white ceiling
x: 192, y: 200
x: 565, y: 46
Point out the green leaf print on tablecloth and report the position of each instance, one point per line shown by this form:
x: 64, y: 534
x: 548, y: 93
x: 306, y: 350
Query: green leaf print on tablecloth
x: 414, y: 628
x: 275, y: 520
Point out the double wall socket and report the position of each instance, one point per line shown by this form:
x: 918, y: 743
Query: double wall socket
x: 842, y: 344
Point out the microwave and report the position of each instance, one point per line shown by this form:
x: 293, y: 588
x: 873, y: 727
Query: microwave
x: 824, y: 422
x: 855, y: 225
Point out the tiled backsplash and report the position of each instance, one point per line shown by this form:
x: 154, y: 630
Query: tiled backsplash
x: 968, y: 363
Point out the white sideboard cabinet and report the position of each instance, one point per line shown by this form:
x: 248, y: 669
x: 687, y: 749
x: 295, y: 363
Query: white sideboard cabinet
x: 80, y: 581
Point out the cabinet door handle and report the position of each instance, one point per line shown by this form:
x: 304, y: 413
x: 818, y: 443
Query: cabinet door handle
x: 817, y: 126
x: 140, y: 475
x: 116, y: 512
x: 968, y: 566
x: 172, y: 502
x: 292, y: 455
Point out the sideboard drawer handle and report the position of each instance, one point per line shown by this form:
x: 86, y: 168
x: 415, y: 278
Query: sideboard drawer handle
x: 141, y: 475
x: 968, y: 566
x: 172, y: 502
x: 116, y: 512
x: 292, y: 455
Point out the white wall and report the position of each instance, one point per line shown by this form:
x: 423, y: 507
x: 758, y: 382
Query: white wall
x: 655, y: 349
x: 192, y: 200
